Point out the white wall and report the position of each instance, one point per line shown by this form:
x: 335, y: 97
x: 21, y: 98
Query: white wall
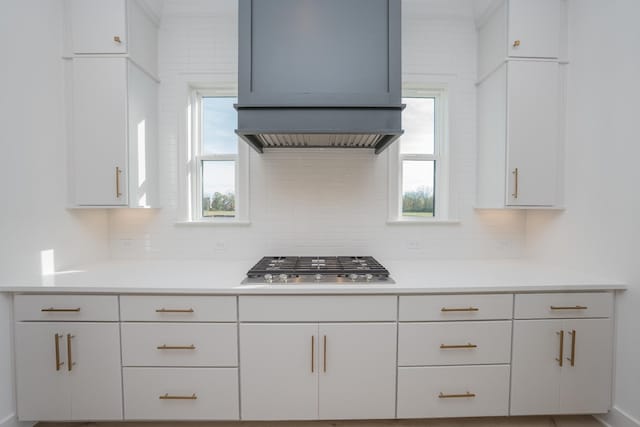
x: 600, y: 229
x: 32, y: 164
x: 310, y: 203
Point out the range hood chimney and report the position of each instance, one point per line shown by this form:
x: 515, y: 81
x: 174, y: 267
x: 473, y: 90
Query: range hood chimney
x: 319, y: 73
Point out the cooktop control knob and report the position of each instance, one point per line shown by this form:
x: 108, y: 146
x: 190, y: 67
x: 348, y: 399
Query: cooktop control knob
x: 368, y: 277
x: 283, y: 278
x: 318, y: 277
x: 268, y: 278
x: 353, y: 277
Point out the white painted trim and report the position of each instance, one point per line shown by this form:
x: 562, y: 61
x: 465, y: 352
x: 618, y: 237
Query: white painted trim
x: 617, y: 418
x: 217, y: 222
x: 429, y: 221
x: 11, y: 420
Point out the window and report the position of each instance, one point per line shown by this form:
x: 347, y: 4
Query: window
x: 219, y: 169
x: 417, y: 165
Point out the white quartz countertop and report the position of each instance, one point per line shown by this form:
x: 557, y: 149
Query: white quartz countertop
x: 224, y: 277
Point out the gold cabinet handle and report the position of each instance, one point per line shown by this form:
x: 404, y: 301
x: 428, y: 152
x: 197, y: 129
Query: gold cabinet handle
x: 573, y: 307
x: 313, y: 351
x: 117, y: 39
x: 572, y: 359
x: 176, y: 347
x: 70, y: 361
x: 515, y: 191
x: 455, y: 396
x: 118, y: 172
x: 516, y: 43
x: 468, y: 345
x: 57, y: 347
x: 324, y: 361
x: 445, y: 309
x: 60, y: 310
x: 174, y: 310
x: 559, y: 359
x: 167, y: 396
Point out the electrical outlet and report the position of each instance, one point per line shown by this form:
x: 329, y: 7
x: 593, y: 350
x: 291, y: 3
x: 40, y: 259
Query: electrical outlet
x: 414, y: 244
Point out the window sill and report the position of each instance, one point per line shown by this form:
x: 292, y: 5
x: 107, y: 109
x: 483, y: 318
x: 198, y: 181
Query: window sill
x: 211, y: 223
x: 423, y: 221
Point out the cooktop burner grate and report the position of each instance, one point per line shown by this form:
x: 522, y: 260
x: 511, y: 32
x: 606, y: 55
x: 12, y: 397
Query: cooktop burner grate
x: 339, y: 266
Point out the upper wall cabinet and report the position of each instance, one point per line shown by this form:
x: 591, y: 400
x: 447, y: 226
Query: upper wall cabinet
x: 126, y: 27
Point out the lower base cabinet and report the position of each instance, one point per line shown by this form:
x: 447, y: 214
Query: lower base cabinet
x: 458, y: 391
x: 181, y: 394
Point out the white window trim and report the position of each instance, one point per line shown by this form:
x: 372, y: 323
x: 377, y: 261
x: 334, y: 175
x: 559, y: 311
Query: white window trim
x: 441, y: 156
x: 194, y: 168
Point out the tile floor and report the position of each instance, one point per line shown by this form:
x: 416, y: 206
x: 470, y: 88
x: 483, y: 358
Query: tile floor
x: 568, y: 421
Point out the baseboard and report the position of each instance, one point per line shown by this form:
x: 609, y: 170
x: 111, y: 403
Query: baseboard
x: 11, y: 420
x: 615, y: 418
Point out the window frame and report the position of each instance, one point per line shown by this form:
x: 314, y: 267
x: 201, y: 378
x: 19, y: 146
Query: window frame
x: 197, y: 157
x: 440, y: 156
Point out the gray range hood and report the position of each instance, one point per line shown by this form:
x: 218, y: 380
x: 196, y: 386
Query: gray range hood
x: 319, y: 73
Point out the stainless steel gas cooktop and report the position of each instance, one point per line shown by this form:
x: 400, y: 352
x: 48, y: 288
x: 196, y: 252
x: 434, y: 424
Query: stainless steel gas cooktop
x: 318, y: 269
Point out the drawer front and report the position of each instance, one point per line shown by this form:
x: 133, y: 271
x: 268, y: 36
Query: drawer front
x: 187, y: 394
x: 344, y: 308
x: 52, y: 308
x: 179, y: 344
x: 178, y: 308
x: 563, y: 305
x: 417, y: 308
x: 454, y: 343
x: 461, y: 391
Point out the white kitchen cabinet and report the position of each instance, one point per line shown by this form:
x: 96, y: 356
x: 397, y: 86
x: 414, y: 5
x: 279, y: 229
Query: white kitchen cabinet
x: 68, y: 371
x: 310, y: 371
x: 561, y: 366
x: 519, y: 136
x: 114, y: 134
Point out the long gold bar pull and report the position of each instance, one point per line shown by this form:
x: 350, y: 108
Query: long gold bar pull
x: 572, y: 359
x: 167, y: 396
x: 455, y: 396
x: 446, y: 309
x: 468, y: 345
x: 324, y: 361
x: 58, y: 362
x: 515, y: 191
x: 70, y: 362
x: 313, y: 352
x: 174, y: 310
x: 118, y: 172
x: 60, y: 310
x: 559, y: 359
x: 571, y: 307
x: 176, y: 347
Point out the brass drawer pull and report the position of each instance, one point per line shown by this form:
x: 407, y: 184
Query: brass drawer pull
x: 70, y: 361
x: 445, y: 309
x: 455, y: 396
x: 574, y: 307
x: 167, y: 396
x: 468, y: 345
x: 572, y: 359
x: 57, y: 347
x: 313, y: 352
x: 559, y: 359
x: 324, y: 361
x: 118, y: 192
x: 174, y: 310
x: 515, y: 192
x: 60, y: 310
x: 176, y: 347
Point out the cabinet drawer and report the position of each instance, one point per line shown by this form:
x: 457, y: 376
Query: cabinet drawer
x: 461, y: 391
x: 181, y: 394
x: 51, y: 308
x: 563, y: 305
x: 179, y: 344
x: 455, y: 307
x: 454, y: 343
x: 343, y: 308
x: 178, y: 309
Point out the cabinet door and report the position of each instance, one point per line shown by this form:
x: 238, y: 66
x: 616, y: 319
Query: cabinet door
x: 93, y: 349
x: 535, y: 370
x: 100, y: 131
x: 534, y: 28
x: 43, y: 389
x: 97, y: 25
x: 357, y: 370
x: 586, y: 384
x: 533, y: 130
x: 279, y: 371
